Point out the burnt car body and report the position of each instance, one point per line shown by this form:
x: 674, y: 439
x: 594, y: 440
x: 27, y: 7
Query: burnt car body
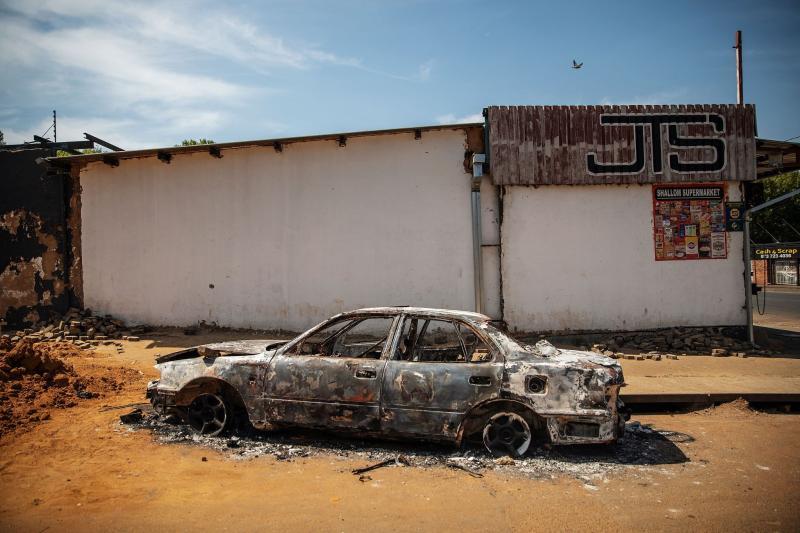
x: 400, y: 372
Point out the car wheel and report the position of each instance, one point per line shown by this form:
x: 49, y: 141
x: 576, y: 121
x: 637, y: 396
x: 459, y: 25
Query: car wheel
x: 507, y: 434
x: 208, y: 414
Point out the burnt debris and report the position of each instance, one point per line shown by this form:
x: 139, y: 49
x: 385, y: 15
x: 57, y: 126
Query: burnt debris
x: 642, y: 449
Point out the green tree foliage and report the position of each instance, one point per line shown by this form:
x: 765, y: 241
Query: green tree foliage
x: 2, y: 139
x: 195, y: 142
x: 780, y: 219
x: 62, y: 153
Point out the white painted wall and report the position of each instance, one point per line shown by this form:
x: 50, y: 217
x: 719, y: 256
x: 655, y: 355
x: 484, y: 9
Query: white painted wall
x: 287, y: 239
x: 582, y: 258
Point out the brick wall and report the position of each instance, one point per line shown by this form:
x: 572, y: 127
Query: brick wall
x: 759, y: 268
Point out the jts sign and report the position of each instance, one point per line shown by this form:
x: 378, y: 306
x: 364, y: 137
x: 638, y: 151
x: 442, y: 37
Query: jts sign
x: 653, y: 124
x: 601, y: 145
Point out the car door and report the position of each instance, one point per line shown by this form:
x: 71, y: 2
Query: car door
x: 439, y: 369
x: 332, y: 377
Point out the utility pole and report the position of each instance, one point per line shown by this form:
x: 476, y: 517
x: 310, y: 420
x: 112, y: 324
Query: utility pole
x: 55, y: 138
x: 739, y: 80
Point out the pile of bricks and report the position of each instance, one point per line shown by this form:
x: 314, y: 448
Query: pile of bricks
x: 667, y: 344
x: 81, y: 328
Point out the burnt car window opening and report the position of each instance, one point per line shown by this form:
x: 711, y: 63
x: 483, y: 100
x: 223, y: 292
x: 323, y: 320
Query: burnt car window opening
x: 430, y: 340
x: 475, y: 348
x: 362, y: 338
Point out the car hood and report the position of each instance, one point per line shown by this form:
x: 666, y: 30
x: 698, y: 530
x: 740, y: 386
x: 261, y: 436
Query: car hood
x: 220, y: 349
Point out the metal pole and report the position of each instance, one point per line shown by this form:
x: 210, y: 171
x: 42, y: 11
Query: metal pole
x: 739, y: 80
x: 477, y: 254
x: 774, y: 201
x: 55, y: 137
x: 748, y: 289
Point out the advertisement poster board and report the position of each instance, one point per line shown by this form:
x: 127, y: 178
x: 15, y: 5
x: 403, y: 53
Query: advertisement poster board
x: 689, y: 221
x: 734, y: 216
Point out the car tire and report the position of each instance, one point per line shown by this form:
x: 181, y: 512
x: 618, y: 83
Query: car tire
x: 209, y: 414
x: 507, y: 433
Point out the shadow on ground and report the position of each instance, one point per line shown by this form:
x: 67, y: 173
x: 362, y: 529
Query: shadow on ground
x: 782, y: 340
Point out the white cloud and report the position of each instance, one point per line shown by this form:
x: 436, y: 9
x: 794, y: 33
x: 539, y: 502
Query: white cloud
x: 124, y: 69
x: 425, y: 69
x: 143, y: 73
x: 674, y: 96
x: 422, y: 74
x: 451, y: 118
x: 187, y: 25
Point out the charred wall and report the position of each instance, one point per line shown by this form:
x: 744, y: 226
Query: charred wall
x: 34, y: 240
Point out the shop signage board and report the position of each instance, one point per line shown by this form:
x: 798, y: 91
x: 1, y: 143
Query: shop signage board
x: 775, y: 251
x: 616, y: 144
x: 689, y: 221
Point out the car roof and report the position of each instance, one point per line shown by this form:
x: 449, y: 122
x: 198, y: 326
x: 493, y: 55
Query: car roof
x: 426, y: 311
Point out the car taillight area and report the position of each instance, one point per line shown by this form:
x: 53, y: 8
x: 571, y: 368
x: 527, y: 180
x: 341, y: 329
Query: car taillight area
x: 598, y: 417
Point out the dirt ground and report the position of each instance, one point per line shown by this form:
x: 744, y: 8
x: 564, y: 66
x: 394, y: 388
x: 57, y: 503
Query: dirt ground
x: 82, y: 470
x: 706, y: 374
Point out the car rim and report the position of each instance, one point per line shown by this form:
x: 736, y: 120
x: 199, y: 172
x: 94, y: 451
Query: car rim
x: 207, y: 414
x: 507, y: 434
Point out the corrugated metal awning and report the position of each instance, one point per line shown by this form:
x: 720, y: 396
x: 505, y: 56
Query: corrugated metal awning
x: 586, y: 145
x: 775, y: 157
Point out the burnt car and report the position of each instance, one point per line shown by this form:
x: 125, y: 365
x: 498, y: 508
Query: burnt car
x: 399, y: 372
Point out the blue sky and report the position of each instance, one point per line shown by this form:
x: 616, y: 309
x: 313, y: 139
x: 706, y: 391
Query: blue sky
x: 144, y: 74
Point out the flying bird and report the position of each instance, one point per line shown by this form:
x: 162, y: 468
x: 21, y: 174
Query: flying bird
x: 576, y: 65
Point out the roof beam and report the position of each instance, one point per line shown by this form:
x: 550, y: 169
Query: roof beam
x: 66, y: 145
x: 103, y: 143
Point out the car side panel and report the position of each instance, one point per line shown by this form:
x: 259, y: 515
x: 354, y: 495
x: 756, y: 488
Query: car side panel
x: 430, y: 399
x: 329, y: 392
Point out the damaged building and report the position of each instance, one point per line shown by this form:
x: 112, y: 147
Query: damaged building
x: 551, y: 218
x: 39, y: 234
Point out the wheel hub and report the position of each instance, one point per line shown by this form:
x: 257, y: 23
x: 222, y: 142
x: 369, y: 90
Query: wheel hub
x: 507, y: 434
x: 207, y: 414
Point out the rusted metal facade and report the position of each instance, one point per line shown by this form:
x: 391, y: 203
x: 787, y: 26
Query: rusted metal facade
x: 590, y: 145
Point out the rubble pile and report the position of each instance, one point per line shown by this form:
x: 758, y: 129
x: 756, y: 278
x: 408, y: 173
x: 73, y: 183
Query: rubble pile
x: 22, y: 359
x: 36, y: 377
x: 716, y: 341
x: 80, y: 328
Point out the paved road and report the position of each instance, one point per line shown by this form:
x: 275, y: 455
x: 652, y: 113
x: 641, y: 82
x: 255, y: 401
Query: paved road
x: 782, y: 309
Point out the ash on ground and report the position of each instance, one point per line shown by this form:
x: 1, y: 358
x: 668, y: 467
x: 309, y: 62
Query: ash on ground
x: 642, y: 448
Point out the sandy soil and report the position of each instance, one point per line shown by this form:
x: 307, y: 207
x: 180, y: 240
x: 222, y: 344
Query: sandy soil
x: 697, y: 373
x: 82, y: 470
